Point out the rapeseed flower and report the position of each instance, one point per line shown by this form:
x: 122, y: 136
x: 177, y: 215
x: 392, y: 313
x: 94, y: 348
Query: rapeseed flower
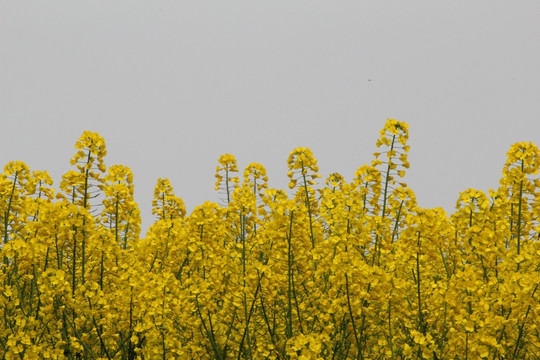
x: 340, y: 270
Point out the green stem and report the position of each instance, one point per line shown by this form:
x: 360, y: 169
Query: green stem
x: 379, y: 239
x: 418, y: 291
x: 352, y: 316
x: 387, y: 179
x: 8, y: 210
x: 519, y: 212
x: 521, y: 326
x: 289, y: 331
x: 308, y: 204
x: 246, y: 329
x: 209, y: 332
x: 390, y: 336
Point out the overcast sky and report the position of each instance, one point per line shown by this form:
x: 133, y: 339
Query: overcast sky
x: 172, y: 85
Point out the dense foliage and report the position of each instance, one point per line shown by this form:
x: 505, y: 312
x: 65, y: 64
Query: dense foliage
x: 328, y: 270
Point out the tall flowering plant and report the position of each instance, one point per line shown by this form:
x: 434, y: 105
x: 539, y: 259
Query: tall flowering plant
x: 340, y: 269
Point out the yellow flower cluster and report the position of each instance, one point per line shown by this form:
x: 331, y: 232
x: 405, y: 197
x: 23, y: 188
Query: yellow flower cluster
x: 226, y: 181
x: 338, y: 270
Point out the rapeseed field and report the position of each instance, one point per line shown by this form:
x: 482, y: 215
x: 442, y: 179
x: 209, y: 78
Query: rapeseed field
x: 327, y: 269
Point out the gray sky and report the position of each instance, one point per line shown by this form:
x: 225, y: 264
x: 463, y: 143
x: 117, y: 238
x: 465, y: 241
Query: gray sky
x: 171, y: 85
